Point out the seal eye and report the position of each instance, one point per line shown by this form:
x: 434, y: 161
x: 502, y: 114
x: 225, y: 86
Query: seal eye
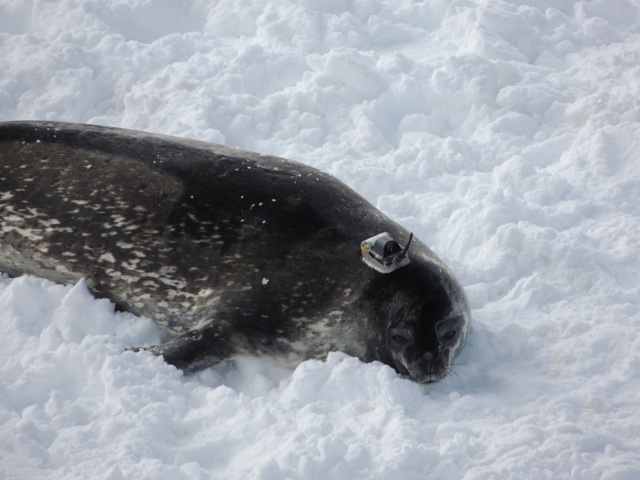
x: 450, y: 334
x: 400, y: 338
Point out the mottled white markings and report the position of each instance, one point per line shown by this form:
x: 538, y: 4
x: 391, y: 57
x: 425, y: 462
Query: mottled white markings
x: 106, y: 257
x: 49, y: 223
x: 29, y: 233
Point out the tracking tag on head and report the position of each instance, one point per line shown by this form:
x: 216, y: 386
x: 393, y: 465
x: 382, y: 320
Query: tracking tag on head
x: 384, y: 254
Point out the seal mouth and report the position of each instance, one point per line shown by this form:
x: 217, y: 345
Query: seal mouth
x: 432, y: 378
x: 423, y: 378
x: 420, y: 376
x: 421, y: 371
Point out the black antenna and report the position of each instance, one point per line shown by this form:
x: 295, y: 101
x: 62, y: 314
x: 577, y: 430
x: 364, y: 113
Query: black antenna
x: 404, y: 251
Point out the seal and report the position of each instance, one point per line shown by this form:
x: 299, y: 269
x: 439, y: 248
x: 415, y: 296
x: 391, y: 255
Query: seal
x: 231, y: 252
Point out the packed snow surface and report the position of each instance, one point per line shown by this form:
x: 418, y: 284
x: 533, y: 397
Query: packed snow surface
x: 504, y: 133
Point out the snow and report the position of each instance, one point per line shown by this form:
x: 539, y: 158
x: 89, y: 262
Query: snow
x: 503, y: 133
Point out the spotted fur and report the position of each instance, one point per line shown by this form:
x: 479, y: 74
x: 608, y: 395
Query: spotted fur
x: 229, y: 251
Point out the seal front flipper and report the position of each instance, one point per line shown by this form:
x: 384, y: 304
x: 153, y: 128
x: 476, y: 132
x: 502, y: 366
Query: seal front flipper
x: 197, y: 349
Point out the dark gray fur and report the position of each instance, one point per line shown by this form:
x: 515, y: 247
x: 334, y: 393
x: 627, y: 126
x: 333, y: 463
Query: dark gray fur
x: 230, y: 251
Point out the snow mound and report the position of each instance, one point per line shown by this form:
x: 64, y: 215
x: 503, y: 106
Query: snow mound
x: 503, y: 134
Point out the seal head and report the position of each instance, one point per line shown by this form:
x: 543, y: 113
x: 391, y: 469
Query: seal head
x: 424, y: 317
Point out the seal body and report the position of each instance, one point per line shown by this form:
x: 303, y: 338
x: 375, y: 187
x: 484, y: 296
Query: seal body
x: 229, y: 251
